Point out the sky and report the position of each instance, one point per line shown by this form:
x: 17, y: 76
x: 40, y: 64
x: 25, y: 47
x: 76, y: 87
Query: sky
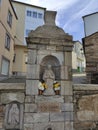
x: 69, y: 13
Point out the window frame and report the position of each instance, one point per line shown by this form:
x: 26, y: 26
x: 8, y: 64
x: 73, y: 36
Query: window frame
x: 34, y: 15
x: 4, y: 58
x: 40, y: 15
x: 9, y: 18
x: 7, y: 41
x: 29, y: 13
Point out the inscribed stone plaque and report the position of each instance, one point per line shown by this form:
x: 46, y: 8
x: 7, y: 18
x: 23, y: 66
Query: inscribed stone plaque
x: 48, y: 107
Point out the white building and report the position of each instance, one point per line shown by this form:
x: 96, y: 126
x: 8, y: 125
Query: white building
x: 29, y: 18
x: 90, y: 23
x: 78, y: 58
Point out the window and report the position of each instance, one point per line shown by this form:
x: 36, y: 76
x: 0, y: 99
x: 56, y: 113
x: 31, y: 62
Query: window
x: 5, y: 66
x: 29, y: 13
x: 7, y: 41
x: 9, y: 18
x: 34, y: 14
x: 40, y: 15
x: 26, y: 59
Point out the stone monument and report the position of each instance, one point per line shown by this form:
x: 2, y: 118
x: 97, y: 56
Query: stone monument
x: 48, y: 102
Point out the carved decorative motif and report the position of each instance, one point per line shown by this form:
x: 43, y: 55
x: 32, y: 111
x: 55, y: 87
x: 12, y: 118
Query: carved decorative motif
x: 14, y: 116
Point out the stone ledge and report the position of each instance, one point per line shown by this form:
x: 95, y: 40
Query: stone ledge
x: 81, y: 87
x: 12, y: 87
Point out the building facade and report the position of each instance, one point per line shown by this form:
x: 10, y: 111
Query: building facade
x: 8, y: 20
x: 90, y: 43
x: 30, y: 17
x: 78, y: 58
x: 90, y: 23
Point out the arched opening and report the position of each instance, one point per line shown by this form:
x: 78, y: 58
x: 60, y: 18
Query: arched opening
x: 54, y: 62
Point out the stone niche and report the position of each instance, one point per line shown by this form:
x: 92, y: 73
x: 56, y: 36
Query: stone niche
x: 14, y: 116
x: 49, y: 77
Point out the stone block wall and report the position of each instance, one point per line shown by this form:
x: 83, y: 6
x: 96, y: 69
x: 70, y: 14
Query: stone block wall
x: 85, y: 107
x: 52, y: 112
x: 91, y: 54
x: 11, y: 97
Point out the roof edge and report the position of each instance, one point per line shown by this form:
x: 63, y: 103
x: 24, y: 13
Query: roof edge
x: 89, y: 15
x: 28, y: 4
x: 13, y: 8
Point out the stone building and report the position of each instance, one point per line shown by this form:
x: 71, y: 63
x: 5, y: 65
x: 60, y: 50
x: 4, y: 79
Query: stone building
x: 91, y: 54
x: 90, y: 42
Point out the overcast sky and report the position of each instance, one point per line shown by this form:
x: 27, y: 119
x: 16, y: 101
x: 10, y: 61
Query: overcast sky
x: 69, y: 13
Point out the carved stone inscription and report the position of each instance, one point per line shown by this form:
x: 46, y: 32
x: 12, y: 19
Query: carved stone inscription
x: 48, y: 107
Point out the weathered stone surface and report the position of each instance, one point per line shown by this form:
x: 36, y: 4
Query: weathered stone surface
x: 85, y: 115
x: 53, y: 126
x: 51, y: 48
x: 14, y: 116
x: 89, y: 106
x: 64, y: 116
x: 49, y: 107
x: 85, y: 87
x: 12, y: 87
x: 57, y: 116
x: 69, y: 116
x: 1, y: 121
x: 28, y: 126
x: 33, y: 71
x: 68, y: 99
x: 56, y: 98
x: 91, y: 54
x: 32, y: 59
x: 67, y: 107
x: 68, y: 125
x: 30, y: 108
x: 66, y: 88
x: 1, y: 110
x: 68, y: 58
x: 64, y: 73
x: 84, y: 125
x: 9, y: 97
x: 32, y: 87
x: 29, y: 99
x: 30, y: 118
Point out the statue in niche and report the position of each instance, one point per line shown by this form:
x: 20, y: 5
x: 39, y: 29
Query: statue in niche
x: 13, y: 116
x: 49, y: 78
